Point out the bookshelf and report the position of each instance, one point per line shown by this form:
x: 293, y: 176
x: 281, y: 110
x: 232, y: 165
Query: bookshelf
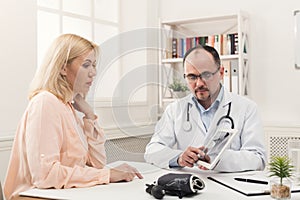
x: 227, y: 33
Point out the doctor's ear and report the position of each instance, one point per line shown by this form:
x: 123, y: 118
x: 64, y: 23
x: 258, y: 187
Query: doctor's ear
x: 222, y: 71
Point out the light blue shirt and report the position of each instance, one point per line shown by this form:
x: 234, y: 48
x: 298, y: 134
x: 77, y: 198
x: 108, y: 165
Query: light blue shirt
x: 206, y: 117
x: 208, y: 114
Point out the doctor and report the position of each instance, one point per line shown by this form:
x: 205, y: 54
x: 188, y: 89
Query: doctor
x: 187, y: 124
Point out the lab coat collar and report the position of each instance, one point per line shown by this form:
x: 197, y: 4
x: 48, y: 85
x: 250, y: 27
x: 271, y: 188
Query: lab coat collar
x: 222, y: 111
x: 195, y: 115
x: 225, y: 100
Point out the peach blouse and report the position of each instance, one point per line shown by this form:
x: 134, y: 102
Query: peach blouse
x: 54, y: 149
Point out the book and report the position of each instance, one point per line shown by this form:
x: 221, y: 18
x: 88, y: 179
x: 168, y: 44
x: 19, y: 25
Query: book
x: 216, y: 145
x: 236, y: 43
x: 174, y: 47
x: 217, y: 44
x: 203, y: 40
x: 211, y: 40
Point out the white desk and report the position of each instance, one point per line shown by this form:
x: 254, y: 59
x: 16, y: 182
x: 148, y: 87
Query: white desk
x: 136, y: 188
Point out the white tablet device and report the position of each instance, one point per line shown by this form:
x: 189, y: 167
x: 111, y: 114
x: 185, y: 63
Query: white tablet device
x: 216, y: 146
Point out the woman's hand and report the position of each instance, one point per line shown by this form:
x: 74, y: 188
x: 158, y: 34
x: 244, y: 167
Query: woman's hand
x: 81, y: 105
x: 124, y: 172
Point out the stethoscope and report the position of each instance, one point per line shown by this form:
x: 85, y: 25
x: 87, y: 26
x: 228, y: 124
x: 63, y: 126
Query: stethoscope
x: 187, y: 125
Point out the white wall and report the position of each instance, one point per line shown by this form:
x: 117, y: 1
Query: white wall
x: 274, y: 83
x: 18, y: 60
x: 18, y: 63
x: 134, y: 106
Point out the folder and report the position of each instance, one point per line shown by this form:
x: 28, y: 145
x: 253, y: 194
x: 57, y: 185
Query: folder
x: 234, y: 65
x: 227, y: 76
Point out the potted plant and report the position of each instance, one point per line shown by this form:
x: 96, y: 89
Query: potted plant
x: 178, y: 88
x: 281, y: 169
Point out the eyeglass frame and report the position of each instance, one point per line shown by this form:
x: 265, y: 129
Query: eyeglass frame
x: 201, y: 76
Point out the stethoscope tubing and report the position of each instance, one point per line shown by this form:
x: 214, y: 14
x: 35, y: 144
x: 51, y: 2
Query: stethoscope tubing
x: 187, y: 126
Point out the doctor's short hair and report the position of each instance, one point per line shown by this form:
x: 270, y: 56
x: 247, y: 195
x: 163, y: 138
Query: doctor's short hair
x: 207, y: 48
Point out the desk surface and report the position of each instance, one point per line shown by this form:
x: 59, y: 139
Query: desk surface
x: 136, y: 188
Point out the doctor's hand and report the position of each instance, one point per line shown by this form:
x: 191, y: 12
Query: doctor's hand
x: 204, y: 158
x: 124, y: 172
x: 190, y: 156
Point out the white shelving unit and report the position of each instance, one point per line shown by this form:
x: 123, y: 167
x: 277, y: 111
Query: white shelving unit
x: 170, y: 68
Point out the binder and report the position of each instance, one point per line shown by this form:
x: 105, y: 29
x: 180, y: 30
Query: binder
x: 234, y: 65
x: 227, y: 76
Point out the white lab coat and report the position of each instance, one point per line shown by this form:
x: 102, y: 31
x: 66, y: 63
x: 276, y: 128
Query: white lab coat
x: 246, y: 152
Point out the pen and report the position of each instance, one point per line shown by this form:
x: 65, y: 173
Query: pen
x: 251, y: 181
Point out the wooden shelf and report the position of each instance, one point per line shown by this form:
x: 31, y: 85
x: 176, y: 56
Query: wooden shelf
x: 180, y: 60
x: 236, y: 23
x: 172, y: 60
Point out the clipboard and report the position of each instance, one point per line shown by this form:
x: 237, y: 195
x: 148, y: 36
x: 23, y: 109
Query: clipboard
x: 216, y: 146
x: 244, y: 192
x: 247, y: 188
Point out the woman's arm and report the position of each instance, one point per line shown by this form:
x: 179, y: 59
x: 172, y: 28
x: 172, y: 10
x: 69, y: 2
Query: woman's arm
x: 44, y: 142
x: 94, y: 134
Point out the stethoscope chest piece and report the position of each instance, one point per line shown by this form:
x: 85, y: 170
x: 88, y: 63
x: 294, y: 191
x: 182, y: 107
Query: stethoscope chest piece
x: 187, y: 126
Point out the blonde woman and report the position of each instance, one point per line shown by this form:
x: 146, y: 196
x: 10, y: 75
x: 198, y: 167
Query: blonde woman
x: 53, y: 148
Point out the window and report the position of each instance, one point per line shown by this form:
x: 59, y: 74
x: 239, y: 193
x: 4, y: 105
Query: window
x: 123, y: 92
x: 96, y: 20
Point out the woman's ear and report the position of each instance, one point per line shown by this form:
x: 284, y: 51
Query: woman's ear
x: 63, y: 70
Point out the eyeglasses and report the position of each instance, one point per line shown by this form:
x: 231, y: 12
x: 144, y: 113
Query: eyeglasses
x: 205, y: 76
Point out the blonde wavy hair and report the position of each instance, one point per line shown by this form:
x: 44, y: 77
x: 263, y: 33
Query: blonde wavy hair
x: 63, y: 51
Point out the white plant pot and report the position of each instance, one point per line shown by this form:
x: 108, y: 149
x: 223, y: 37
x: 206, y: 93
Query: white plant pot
x: 178, y: 94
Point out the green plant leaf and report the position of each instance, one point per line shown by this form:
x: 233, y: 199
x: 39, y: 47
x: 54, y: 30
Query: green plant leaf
x: 177, y: 85
x: 280, y: 166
